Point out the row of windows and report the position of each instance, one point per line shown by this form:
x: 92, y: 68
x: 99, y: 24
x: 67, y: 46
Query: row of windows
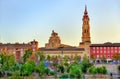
x: 103, y: 54
x: 106, y: 47
x: 106, y: 51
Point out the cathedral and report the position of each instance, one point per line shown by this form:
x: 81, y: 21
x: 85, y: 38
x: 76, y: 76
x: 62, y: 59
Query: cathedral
x: 55, y: 47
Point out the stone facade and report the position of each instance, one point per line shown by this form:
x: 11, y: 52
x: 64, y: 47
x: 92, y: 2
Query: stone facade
x: 55, y: 48
x: 65, y: 51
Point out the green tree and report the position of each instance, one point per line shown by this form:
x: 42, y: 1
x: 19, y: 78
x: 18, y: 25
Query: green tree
x: 61, y: 67
x: 85, y: 57
x: 75, y: 70
x: 2, y: 58
x: 7, y: 64
x: 27, y: 54
x: 2, y: 62
x: 92, y: 70
x: 97, y: 70
x: 40, y: 55
x: 77, y: 58
x: 53, y: 58
x: 47, y: 71
x: 66, y: 65
x: 66, y: 58
x: 85, y: 64
x: 48, y: 57
x: 41, y: 68
x: 11, y: 62
x: 103, y: 70
x: 16, y: 75
x: 28, y: 68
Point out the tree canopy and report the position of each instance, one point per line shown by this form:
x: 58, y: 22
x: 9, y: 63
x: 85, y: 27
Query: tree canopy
x: 97, y: 70
x: 27, y: 54
x: 28, y: 68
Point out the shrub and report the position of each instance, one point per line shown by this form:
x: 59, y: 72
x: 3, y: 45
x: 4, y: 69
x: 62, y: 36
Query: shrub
x: 16, y: 75
x: 47, y: 71
x: 103, y: 70
x: 61, y: 68
x: 85, y: 65
x: 99, y: 70
x: 67, y: 76
x: 75, y: 70
x: 52, y: 73
x: 41, y: 68
x: 92, y: 70
x: 64, y: 76
x: 72, y: 76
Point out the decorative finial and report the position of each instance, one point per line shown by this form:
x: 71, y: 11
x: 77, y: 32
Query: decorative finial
x: 34, y: 40
x: 85, y: 10
x: 52, y: 31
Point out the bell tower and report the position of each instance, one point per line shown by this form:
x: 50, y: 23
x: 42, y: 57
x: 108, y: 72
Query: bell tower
x: 86, y: 41
x: 86, y: 27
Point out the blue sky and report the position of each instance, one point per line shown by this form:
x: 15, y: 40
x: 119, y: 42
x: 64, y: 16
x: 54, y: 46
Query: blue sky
x: 25, y: 20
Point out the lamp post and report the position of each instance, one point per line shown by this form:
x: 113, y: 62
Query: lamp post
x: 61, y: 48
x: 62, y: 53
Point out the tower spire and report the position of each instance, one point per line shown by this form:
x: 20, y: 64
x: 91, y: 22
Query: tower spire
x: 85, y: 12
x: 86, y: 39
x: 86, y: 27
x: 52, y: 31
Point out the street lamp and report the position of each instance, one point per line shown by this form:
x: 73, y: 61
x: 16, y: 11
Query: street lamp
x: 61, y: 48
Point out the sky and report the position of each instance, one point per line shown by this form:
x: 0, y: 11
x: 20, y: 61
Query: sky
x: 25, y: 20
